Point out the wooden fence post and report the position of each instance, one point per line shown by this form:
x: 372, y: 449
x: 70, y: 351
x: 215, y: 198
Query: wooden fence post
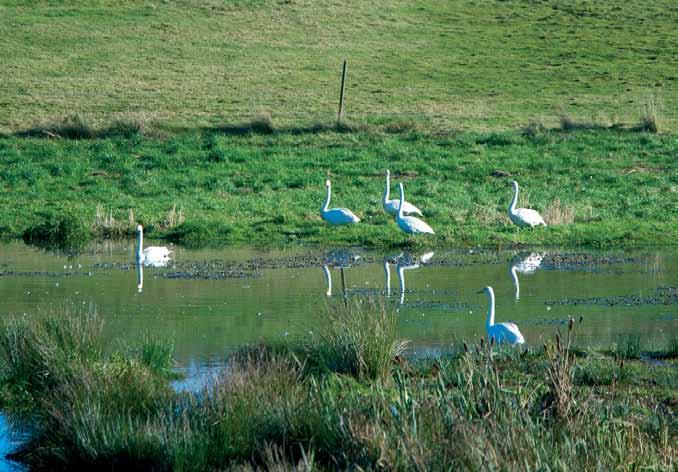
x: 341, y: 94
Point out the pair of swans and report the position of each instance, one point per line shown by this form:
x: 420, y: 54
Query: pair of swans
x: 408, y: 224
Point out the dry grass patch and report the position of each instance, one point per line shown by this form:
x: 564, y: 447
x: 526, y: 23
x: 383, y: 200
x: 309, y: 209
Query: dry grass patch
x: 558, y: 214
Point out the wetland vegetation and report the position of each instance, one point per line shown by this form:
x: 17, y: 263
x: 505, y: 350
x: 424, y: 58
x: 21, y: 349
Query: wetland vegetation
x: 345, y: 398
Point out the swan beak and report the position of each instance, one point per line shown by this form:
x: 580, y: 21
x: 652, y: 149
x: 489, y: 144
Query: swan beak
x: 479, y: 291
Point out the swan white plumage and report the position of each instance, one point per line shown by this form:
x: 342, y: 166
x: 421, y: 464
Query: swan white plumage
x: 392, y: 206
x: 501, y: 332
x: 523, y: 216
x: 156, y: 256
x: 410, y: 224
x: 336, y: 216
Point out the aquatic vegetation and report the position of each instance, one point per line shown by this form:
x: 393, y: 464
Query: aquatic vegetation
x: 335, y: 408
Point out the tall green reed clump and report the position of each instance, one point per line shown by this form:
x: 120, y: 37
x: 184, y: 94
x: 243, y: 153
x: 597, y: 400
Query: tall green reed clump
x: 39, y: 355
x: 360, y: 340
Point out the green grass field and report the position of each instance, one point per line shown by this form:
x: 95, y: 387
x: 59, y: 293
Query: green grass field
x: 601, y: 188
x: 135, y: 110
x: 463, y: 64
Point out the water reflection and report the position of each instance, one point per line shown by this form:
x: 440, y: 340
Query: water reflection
x: 524, y: 264
x: 220, y: 299
x: 9, y: 440
x: 341, y: 260
x: 406, y: 261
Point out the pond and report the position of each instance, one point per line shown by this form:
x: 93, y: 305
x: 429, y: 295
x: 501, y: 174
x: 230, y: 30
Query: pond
x: 213, y: 300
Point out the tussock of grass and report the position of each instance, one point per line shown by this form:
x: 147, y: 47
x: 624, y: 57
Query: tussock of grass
x: 360, y: 340
x: 107, y: 226
x: 650, y: 120
x: 628, y: 347
x: 558, y: 214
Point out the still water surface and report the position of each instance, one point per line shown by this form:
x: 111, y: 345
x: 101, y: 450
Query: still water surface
x: 212, y: 301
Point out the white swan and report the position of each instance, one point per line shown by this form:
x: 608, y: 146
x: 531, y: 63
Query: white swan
x: 336, y: 216
x: 410, y: 224
x: 155, y: 256
x: 392, y: 206
x: 501, y: 332
x: 523, y: 216
x: 524, y: 265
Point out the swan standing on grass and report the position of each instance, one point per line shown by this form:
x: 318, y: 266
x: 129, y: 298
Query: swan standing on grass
x: 156, y: 256
x: 523, y: 216
x: 501, y: 332
x: 410, y: 224
x: 336, y: 216
x: 392, y: 206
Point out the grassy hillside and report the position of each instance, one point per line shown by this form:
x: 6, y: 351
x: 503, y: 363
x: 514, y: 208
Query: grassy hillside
x: 604, y: 188
x: 463, y: 64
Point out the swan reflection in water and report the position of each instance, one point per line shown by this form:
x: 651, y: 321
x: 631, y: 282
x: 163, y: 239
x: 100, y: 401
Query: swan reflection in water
x: 339, y: 260
x: 525, y: 264
x: 404, y: 262
x: 141, y: 263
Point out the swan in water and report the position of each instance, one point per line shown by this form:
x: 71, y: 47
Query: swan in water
x: 154, y: 256
x: 524, y: 265
x: 392, y: 206
x: 410, y: 224
x: 523, y: 216
x: 336, y: 216
x: 501, y: 332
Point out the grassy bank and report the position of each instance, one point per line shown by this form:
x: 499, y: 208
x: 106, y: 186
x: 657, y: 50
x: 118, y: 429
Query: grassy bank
x: 594, y: 187
x: 461, y: 64
x: 344, y: 399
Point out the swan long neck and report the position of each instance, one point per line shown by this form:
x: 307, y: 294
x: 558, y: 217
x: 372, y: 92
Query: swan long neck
x: 326, y: 204
x: 514, y: 200
x: 402, y: 202
x: 387, y: 190
x: 387, y: 272
x: 490, y: 310
x: 140, y: 245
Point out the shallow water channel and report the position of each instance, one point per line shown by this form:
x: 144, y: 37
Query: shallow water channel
x: 214, y: 300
